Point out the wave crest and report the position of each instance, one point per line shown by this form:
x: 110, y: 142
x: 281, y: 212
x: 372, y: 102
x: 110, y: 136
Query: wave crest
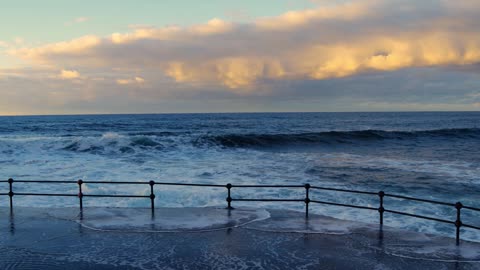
x: 333, y: 137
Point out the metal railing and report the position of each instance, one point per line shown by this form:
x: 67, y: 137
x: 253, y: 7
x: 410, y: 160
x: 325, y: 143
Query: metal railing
x: 306, y: 200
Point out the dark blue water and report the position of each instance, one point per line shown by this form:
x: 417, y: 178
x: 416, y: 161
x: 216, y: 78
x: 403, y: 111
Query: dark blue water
x: 432, y: 155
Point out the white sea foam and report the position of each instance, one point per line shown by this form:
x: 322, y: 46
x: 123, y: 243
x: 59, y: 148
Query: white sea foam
x: 444, y: 251
x: 113, y: 156
x: 165, y: 219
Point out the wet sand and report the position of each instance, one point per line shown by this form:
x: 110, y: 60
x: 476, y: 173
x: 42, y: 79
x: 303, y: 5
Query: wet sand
x: 210, y: 238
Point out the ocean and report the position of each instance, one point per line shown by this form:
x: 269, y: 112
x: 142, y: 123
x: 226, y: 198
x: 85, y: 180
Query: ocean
x: 431, y: 155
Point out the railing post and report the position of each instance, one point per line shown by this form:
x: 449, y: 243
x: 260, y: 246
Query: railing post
x: 307, y: 198
x: 229, y: 198
x: 10, y: 193
x: 152, y: 196
x: 381, y: 194
x: 458, y: 222
x: 80, y: 194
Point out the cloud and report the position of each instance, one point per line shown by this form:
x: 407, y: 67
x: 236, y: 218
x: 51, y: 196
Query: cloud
x: 81, y: 19
x: 69, y: 74
x: 330, y: 41
x: 77, y: 21
x: 48, y: 53
x: 19, y: 41
x: 135, y: 80
x: 292, y: 19
x: 40, y: 91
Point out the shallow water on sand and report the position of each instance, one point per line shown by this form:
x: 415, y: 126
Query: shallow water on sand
x: 49, y: 238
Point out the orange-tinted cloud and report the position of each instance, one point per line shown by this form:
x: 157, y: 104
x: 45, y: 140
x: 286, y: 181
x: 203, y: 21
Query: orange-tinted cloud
x: 135, y: 80
x: 69, y: 74
x: 330, y: 41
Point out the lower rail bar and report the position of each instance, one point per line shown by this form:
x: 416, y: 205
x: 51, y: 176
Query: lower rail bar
x: 45, y: 194
x: 116, y: 183
x: 116, y: 196
x: 345, y: 190
x: 269, y: 200
x: 268, y: 186
x: 419, y: 216
x: 470, y: 226
x: 344, y: 205
x: 418, y: 200
x: 188, y: 184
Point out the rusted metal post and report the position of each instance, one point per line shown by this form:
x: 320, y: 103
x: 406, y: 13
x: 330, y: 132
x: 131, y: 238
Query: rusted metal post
x: 307, y: 198
x: 229, y: 198
x: 152, y: 196
x: 80, y: 194
x: 458, y: 222
x: 381, y: 194
x: 10, y: 193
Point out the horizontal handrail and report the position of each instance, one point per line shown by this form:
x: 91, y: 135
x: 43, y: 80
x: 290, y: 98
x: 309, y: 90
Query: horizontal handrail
x: 345, y: 190
x: 458, y: 206
x: 116, y: 182
x: 237, y: 186
x: 471, y: 208
x: 45, y: 181
x: 471, y: 226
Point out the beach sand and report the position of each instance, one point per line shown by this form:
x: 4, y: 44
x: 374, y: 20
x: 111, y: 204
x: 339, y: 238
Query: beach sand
x: 215, y: 238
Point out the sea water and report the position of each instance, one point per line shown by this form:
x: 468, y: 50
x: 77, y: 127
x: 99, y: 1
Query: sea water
x: 431, y: 155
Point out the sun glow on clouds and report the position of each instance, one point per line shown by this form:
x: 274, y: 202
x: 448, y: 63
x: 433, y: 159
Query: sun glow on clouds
x: 136, y: 80
x: 292, y: 19
x: 331, y: 41
x: 69, y: 74
x: 49, y: 52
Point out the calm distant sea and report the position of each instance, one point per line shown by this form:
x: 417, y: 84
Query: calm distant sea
x: 433, y: 155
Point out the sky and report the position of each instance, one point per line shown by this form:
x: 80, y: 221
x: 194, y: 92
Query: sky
x: 183, y: 56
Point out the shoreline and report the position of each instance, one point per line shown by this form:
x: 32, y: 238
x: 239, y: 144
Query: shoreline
x: 244, y: 238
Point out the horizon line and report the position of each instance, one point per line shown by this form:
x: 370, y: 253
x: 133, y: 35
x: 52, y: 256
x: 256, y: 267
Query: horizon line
x: 233, y: 112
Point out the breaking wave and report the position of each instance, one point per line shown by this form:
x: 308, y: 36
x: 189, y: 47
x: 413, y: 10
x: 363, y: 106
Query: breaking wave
x: 115, y: 143
x: 335, y: 137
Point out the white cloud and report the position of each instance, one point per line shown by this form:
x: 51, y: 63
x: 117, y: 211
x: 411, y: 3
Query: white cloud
x: 81, y: 19
x: 77, y: 20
